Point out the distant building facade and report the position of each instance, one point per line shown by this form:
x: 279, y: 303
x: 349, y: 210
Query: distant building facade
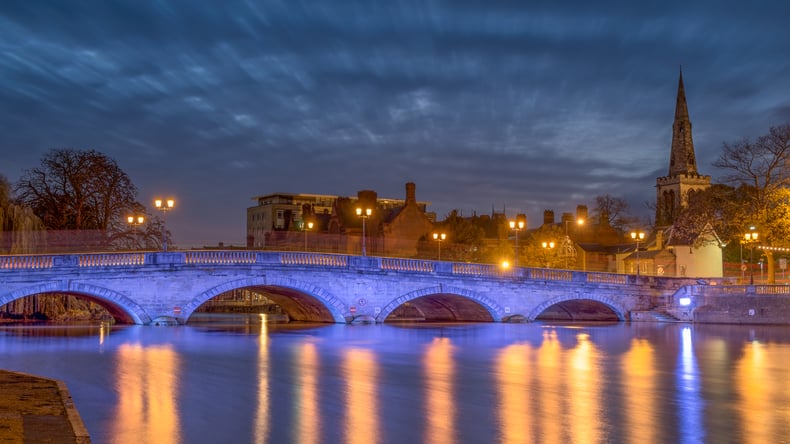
x: 394, y: 227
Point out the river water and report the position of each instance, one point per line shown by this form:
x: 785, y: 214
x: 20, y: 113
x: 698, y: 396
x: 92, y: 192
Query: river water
x: 237, y: 380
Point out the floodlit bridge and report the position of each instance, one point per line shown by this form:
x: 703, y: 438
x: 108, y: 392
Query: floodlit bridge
x: 167, y: 287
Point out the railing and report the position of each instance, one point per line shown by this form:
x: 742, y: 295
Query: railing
x: 111, y: 259
x: 220, y: 257
x: 234, y: 257
x: 322, y: 260
x: 772, y: 289
x: 388, y: 263
x: 607, y: 278
x: 14, y: 262
x: 547, y: 274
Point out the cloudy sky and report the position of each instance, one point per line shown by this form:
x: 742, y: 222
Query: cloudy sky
x: 516, y: 105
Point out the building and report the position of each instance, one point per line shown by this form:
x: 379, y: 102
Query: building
x: 668, y: 252
x: 673, y: 190
x: 280, y: 220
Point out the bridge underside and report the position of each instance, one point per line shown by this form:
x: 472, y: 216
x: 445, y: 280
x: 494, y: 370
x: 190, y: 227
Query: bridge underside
x: 297, y: 305
x: 578, y: 310
x: 440, y: 308
x: 79, y: 311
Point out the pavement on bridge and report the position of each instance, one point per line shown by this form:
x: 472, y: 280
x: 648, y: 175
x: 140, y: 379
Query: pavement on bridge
x: 38, y: 410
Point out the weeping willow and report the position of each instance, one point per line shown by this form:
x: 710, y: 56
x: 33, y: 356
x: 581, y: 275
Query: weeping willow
x: 22, y: 231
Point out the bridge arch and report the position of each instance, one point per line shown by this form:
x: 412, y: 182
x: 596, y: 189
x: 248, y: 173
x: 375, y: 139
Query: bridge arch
x: 120, y: 307
x: 608, y: 302
x: 494, y: 310
x: 332, y: 304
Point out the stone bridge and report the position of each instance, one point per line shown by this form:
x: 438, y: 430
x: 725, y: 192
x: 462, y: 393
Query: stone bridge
x: 167, y: 287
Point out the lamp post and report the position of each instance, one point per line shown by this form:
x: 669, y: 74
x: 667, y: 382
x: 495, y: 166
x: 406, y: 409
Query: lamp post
x: 547, y: 246
x: 567, y: 244
x: 516, y: 226
x: 133, y: 222
x: 439, y: 238
x: 164, y: 206
x: 364, y: 214
x: 637, y: 236
x: 750, y: 238
x: 308, y: 226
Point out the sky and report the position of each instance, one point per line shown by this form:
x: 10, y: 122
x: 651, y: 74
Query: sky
x: 517, y: 106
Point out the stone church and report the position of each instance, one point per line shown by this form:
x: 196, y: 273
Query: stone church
x: 667, y: 252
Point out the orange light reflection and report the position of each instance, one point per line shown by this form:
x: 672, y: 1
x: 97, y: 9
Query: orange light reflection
x: 147, y: 385
x: 438, y: 362
x: 760, y: 378
x: 552, y: 394
x: 513, y: 384
x: 638, y: 370
x: 308, y: 411
x: 585, y: 391
x: 360, y: 372
x: 261, y: 431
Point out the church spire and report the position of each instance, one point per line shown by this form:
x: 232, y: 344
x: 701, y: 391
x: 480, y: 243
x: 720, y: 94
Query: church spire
x: 682, y: 159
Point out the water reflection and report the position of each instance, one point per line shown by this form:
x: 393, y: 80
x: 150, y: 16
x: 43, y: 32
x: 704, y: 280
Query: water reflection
x: 147, y: 386
x: 584, y: 390
x: 550, y: 371
x: 438, y: 366
x: 689, y: 402
x: 639, y: 390
x: 308, y: 424
x: 360, y: 373
x: 514, y: 381
x: 761, y: 379
x: 261, y: 424
x: 262, y: 382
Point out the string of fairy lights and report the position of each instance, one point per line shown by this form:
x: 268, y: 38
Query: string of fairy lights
x: 765, y: 247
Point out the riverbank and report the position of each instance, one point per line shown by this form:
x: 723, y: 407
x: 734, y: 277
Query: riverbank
x: 35, y: 409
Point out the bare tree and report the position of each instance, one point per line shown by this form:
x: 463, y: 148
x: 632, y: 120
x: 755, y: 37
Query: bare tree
x: 614, y: 210
x: 79, y: 190
x: 760, y: 168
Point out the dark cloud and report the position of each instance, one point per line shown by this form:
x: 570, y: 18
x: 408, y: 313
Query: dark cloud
x: 496, y: 103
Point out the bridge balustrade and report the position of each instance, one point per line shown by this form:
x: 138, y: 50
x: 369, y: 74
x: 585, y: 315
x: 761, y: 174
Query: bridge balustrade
x: 111, y: 259
x: 220, y: 257
x: 388, y: 263
x: 544, y: 274
x: 607, y: 278
x: 15, y: 262
x: 482, y: 270
x: 322, y: 260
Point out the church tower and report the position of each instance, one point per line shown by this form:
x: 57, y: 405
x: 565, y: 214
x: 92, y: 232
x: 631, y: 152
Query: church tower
x: 673, y: 190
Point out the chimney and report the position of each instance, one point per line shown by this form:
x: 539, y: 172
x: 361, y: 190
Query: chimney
x: 548, y: 217
x: 581, y: 213
x: 367, y: 198
x: 411, y: 194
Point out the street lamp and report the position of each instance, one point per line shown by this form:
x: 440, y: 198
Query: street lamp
x: 567, y: 244
x: 134, y: 221
x: 750, y: 238
x: 308, y: 226
x: 637, y: 236
x: 547, y: 246
x: 164, y: 206
x: 516, y: 226
x: 439, y: 238
x: 364, y: 215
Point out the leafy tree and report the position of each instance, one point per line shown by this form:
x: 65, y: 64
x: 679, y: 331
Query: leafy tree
x: 465, y: 235
x: 760, y: 170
